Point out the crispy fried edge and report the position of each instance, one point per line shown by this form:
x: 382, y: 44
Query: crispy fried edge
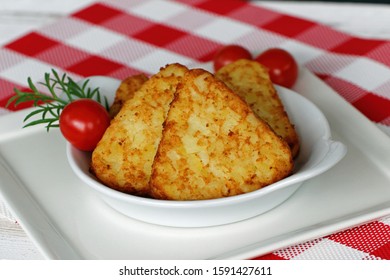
x: 125, y: 91
x: 158, y: 191
x: 290, y: 135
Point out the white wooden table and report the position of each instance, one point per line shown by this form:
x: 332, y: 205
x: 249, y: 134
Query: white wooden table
x: 18, y: 17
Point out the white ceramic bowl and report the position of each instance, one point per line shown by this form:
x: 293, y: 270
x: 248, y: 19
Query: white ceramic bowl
x: 318, y: 153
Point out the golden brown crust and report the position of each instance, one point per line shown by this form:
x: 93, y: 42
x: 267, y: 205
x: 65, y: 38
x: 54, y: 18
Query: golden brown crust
x: 123, y: 158
x: 125, y: 91
x: 251, y: 81
x: 213, y: 145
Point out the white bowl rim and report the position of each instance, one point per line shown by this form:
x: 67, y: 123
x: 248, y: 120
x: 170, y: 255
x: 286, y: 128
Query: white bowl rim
x: 174, y: 203
x: 288, y: 181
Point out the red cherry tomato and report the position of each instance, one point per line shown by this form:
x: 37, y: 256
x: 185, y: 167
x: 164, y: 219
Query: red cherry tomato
x: 229, y: 54
x: 283, y: 68
x: 83, y: 123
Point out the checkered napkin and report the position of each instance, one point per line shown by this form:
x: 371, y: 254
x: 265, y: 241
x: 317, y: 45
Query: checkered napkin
x: 119, y: 38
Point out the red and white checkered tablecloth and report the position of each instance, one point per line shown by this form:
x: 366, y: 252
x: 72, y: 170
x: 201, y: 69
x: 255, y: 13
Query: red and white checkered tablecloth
x: 119, y: 38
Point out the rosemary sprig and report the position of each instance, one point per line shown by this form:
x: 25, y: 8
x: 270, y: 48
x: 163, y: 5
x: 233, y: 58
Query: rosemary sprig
x: 49, y: 107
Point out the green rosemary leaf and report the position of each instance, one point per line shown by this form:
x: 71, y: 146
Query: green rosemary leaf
x: 22, y: 97
x: 49, y: 106
x: 41, y: 121
x: 11, y: 100
x: 84, y: 87
x: 31, y: 85
x: 54, y: 112
x: 95, y: 92
x: 106, y: 104
x: 60, y: 81
x: 74, y: 88
x: 33, y: 113
x: 50, y: 87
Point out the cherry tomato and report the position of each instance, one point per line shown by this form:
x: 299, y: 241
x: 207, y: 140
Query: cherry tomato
x: 83, y: 123
x: 229, y: 54
x: 283, y: 68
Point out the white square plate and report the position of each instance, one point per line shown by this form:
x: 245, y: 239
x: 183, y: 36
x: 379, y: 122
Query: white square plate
x: 67, y: 221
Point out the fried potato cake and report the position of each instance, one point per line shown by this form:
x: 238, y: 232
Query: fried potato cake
x: 123, y: 158
x: 125, y: 91
x: 213, y: 145
x: 250, y: 80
